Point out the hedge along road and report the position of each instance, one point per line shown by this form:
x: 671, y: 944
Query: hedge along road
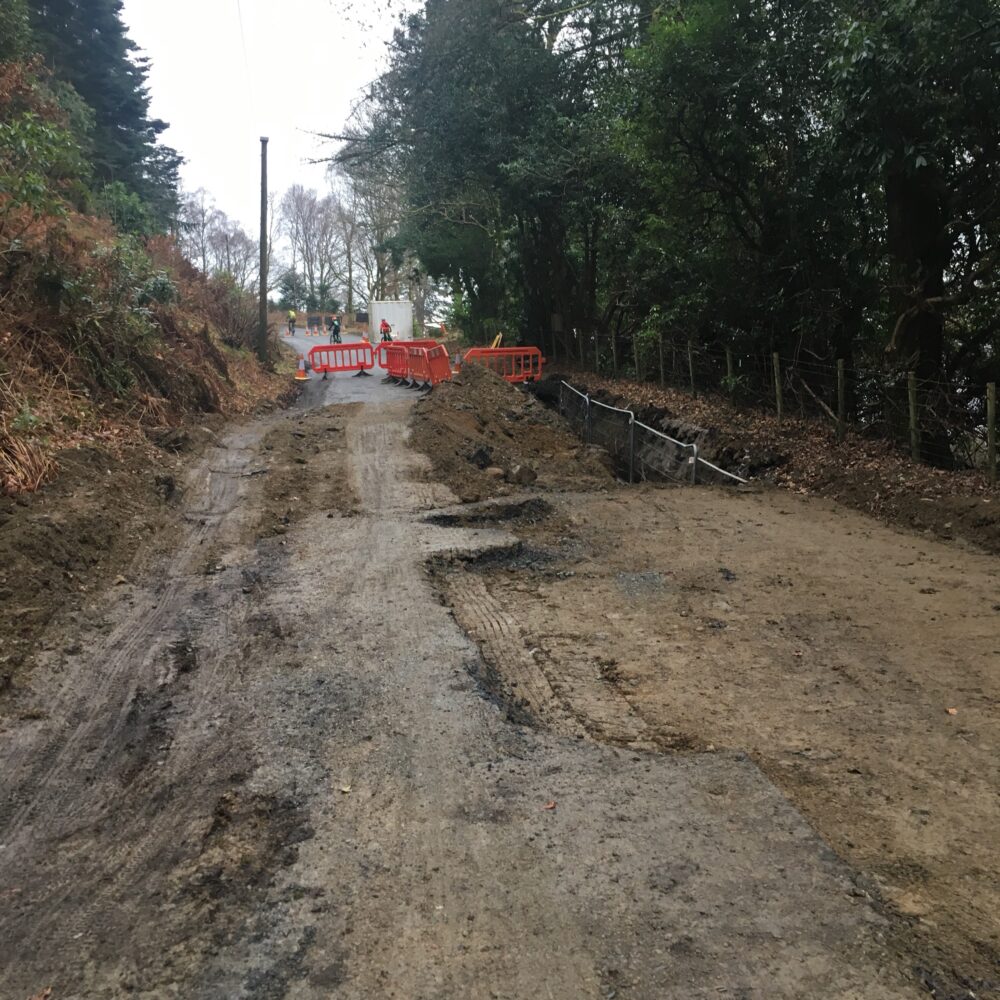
x: 271, y: 774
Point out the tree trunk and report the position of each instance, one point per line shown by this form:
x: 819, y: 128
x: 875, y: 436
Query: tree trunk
x: 921, y: 247
x: 350, y: 280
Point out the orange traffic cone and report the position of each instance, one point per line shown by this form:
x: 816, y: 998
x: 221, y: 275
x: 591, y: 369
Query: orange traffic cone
x: 302, y: 375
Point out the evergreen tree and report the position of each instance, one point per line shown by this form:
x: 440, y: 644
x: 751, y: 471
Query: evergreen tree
x: 85, y: 43
x: 15, y: 33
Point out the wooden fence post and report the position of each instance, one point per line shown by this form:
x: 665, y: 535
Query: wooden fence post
x: 694, y: 388
x: 914, y: 422
x: 635, y: 355
x: 991, y: 431
x: 729, y: 369
x: 631, y: 448
x: 779, y: 396
x: 841, y: 401
x: 663, y: 372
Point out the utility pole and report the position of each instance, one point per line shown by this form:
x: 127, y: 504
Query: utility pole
x: 262, y: 288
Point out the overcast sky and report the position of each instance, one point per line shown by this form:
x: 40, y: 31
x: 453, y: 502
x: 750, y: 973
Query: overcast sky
x: 305, y: 63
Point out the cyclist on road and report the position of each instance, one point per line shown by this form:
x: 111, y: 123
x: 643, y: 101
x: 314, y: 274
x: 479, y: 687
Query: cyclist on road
x: 333, y: 325
x: 386, y: 331
x: 292, y: 317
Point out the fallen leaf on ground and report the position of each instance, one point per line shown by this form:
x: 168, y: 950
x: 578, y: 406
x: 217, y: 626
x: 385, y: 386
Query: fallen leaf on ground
x: 550, y: 806
x: 952, y: 711
x: 346, y: 789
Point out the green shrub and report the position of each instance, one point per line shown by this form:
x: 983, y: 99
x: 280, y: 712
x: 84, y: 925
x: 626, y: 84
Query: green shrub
x: 38, y: 160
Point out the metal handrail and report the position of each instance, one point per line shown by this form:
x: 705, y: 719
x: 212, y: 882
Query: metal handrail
x: 723, y: 472
x: 613, y: 409
x: 631, y: 431
x: 582, y: 395
x: 694, y: 460
x: 666, y: 437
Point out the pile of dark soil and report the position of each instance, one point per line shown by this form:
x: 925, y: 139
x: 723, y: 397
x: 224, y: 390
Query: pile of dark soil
x: 487, y: 438
x: 804, y: 456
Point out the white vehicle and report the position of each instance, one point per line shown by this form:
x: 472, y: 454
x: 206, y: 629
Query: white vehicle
x: 399, y: 316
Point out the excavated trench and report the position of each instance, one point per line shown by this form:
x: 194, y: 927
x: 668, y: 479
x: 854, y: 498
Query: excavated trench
x: 657, y: 459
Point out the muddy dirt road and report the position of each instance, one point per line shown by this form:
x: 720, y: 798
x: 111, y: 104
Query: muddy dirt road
x: 274, y: 770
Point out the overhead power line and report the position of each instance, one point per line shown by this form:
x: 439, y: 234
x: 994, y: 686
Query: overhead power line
x: 243, y: 38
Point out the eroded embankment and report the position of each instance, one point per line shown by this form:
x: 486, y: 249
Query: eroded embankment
x: 62, y: 545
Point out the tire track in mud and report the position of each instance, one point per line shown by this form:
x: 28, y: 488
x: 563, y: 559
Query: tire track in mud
x: 415, y: 842
x: 111, y: 805
x: 68, y: 789
x: 572, y: 696
x: 515, y: 678
x: 137, y: 640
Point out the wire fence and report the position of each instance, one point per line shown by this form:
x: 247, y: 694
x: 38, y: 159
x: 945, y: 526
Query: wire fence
x: 951, y: 424
x: 640, y: 452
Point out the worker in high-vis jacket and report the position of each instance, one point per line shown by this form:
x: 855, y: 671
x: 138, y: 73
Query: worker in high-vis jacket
x: 292, y: 317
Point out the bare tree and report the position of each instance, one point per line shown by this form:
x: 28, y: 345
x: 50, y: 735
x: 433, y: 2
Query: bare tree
x: 379, y: 202
x: 195, y: 217
x: 233, y: 251
x: 310, y: 224
x: 216, y: 243
x: 347, y: 216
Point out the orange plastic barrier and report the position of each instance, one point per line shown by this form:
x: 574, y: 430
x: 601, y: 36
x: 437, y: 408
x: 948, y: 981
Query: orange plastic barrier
x: 382, y: 349
x: 514, y: 364
x: 395, y: 361
x: 428, y: 366
x: 342, y: 358
x: 439, y: 364
x: 418, y: 366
